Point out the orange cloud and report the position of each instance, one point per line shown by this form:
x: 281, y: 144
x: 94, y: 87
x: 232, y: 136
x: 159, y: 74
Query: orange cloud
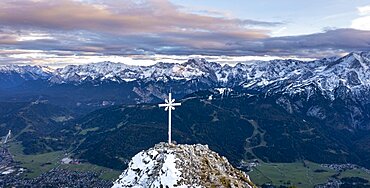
x: 123, y: 18
x: 71, y: 28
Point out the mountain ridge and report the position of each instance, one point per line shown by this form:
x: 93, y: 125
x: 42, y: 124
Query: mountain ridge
x: 347, y: 76
x: 246, y: 74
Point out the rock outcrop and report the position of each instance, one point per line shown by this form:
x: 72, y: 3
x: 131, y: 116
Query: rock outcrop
x: 167, y: 165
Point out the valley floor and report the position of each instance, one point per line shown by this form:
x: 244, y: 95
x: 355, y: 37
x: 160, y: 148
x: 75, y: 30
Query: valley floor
x: 49, y: 170
x: 307, y: 174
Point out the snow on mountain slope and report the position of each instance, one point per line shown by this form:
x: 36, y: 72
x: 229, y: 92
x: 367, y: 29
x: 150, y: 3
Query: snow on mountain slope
x: 181, y: 166
x: 351, y: 70
x: 27, y: 71
x: 289, y: 76
x: 12, y: 76
x: 123, y: 72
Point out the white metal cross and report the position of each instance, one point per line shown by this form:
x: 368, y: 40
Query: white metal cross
x: 169, y: 105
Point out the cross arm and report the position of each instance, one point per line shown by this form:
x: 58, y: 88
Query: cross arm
x: 176, y: 104
x: 163, y: 105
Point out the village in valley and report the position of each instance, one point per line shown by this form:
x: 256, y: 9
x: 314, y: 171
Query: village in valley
x: 13, y: 174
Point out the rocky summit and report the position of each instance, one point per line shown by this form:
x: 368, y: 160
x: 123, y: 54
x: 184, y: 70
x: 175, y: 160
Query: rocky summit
x: 168, y: 165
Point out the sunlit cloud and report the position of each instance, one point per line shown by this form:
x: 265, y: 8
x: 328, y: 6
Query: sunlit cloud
x: 34, y: 36
x: 363, y: 22
x: 119, y: 17
x: 64, y: 32
x: 365, y: 10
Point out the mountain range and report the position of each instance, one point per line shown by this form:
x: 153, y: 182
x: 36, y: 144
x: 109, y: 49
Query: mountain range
x: 88, y: 87
x: 350, y: 71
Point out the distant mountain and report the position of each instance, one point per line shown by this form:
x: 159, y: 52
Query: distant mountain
x: 181, y: 166
x: 88, y: 87
x: 118, y: 72
x: 12, y: 76
x: 150, y: 83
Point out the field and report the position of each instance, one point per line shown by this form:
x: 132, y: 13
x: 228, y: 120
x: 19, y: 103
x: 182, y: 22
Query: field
x: 41, y: 163
x: 36, y: 164
x: 300, y: 174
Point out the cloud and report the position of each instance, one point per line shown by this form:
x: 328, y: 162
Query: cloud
x: 63, y: 30
x: 331, y: 40
x: 363, y: 22
x: 119, y: 17
x: 365, y: 10
x: 120, y: 27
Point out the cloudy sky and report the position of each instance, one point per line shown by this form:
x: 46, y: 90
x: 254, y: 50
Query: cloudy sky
x: 61, y: 32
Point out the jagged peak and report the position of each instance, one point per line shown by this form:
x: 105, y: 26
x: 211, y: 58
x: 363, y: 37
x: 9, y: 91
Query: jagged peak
x: 199, y: 61
x: 202, y: 63
x: 360, y: 55
x: 27, y: 69
x: 103, y: 64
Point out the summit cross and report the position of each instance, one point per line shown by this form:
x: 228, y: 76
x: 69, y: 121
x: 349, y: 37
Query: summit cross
x: 169, y: 106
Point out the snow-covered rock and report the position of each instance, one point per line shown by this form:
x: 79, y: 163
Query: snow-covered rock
x: 167, y: 165
x: 289, y: 76
x: 27, y: 71
x: 121, y: 72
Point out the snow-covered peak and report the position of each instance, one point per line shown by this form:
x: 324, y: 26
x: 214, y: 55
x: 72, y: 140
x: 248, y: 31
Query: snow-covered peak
x: 31, y: 72
x: 26, y: 69
x: 184, y: 166
x: 202, y: 64
x: 292, y: 76
x: 122, y: 72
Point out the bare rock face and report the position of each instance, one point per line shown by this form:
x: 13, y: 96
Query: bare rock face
x: 167, y: 165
